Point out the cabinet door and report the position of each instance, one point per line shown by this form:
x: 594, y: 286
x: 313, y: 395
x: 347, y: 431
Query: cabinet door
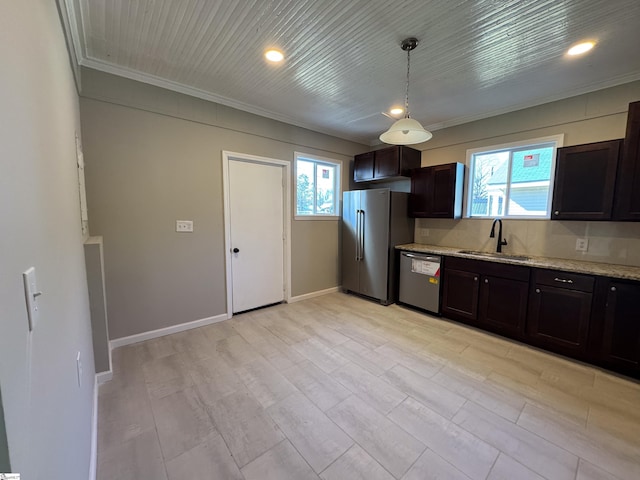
x: 559, y: 319
x: 503, y: 305
x: 584, y: 181
x: 363, y: 167
x: 436, y: 192
x: 460, y: 294
x: 387, y: 162
x: 627, y: 202
x: 621, y: 342
x: 421, y: 200
x: 443, y: 193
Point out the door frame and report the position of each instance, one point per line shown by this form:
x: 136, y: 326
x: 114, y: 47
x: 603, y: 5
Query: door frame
x: 228, y: 156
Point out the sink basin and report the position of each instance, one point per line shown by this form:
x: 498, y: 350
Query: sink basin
x: 494, y: 255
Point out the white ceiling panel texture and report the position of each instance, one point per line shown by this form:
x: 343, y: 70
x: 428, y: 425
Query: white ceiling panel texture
x: 344, y: 64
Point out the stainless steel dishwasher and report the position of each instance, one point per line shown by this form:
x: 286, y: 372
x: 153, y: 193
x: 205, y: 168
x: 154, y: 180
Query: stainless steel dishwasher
x: 420, y: 281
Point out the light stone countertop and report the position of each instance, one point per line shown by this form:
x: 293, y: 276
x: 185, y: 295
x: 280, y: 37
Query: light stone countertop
x: 592, y: 268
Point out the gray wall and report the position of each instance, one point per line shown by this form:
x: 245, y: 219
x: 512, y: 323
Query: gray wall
x: 593, y: 117
x: 48, y: 417
x: 153, y: 157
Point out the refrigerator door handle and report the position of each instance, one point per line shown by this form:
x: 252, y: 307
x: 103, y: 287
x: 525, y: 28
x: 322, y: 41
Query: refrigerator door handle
x: 362, y: 235
x: 357, y: 235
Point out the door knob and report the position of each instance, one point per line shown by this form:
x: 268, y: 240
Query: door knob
x: 236, y: 250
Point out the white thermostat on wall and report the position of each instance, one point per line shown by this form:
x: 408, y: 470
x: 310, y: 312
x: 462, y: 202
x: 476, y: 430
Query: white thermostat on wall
x: 184, y: 226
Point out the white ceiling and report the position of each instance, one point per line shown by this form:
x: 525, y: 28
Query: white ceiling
x: 344, y: 65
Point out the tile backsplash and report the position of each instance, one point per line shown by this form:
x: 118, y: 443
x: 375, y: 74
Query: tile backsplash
x: 609, y: 242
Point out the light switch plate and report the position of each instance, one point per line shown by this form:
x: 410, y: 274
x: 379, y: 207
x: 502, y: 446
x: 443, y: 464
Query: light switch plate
x: 31, y: 295
x: 184, y: 225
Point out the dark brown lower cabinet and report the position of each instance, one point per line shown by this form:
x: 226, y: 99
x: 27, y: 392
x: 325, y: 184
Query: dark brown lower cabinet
x: 559, y: 319
x: 621, y: 339
x: 503, y: 304
x: 490, y: 295
x: 460, y: 295
x: 594, y: 319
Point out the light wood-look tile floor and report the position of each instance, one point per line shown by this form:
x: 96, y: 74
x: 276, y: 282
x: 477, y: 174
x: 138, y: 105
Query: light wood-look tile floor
x: 338, y: 387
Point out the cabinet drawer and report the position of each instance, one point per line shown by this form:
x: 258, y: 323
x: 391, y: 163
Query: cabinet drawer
x: 487, y: 267
x: 573, y: 281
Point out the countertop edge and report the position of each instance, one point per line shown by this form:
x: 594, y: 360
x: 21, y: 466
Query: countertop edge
x: 624, y: 272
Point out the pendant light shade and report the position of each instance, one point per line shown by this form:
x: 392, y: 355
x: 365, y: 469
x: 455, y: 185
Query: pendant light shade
x: 406, y: 131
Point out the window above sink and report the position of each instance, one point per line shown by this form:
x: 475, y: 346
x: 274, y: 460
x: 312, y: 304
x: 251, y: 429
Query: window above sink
x: 512, y: 180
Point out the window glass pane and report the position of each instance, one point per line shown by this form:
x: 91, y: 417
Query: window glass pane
x: 530, y: 180
x: 489, y: 184
x: 325, y: 181
x: 305, y: 187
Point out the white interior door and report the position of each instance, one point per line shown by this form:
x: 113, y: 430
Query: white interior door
x: 256, y: 219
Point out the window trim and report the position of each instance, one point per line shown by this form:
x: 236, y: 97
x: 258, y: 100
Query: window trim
x: 316, y: 159
x: 559, y: 142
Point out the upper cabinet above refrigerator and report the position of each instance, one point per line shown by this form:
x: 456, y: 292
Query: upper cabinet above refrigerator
x: 385, y: 164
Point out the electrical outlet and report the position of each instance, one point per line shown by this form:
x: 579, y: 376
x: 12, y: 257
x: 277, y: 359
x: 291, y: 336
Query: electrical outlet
x: 582, y: 244
x: 184, y: 226
x: 425, y: 232
x: 79, y: 369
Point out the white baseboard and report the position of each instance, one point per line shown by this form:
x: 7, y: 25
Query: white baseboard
x: 93, y: 463
x: 161, y: 332
x: 319, y: 293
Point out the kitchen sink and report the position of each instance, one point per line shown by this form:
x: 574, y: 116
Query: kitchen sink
x: 494, y: 255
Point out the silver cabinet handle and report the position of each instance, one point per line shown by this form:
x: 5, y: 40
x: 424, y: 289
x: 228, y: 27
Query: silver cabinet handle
x: 613, y: 289
x: 562, y: 280
x: 537, y: 290
x: 475, y: 279
x: 557, y: 212
x: 486, y: 280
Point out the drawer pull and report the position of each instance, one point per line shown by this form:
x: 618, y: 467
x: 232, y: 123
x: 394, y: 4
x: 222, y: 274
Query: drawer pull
x: 537, y: 290
x: 475, y: 279
x: 486, y: 280
x: 556, y: 212
x: 613, y: 289
x: 562, y: 280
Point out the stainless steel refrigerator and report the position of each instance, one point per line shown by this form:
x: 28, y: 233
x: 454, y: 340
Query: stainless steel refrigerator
x: 373, y: 223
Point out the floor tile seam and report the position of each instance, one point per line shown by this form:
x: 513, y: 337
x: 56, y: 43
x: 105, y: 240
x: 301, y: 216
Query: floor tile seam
x: 594, y: 441
x: 588, y: 436
x: 371, y: 453
x: 512, y: 436
x: 207, y: 409
x: 449, y: 422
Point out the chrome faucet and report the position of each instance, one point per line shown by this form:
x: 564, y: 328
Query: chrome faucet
x: 501, y: 241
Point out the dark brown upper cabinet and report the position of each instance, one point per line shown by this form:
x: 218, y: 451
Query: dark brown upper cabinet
x: 436, y: 192
x: 627, y: 201
x: 585, y: 181
x: 385, y: 164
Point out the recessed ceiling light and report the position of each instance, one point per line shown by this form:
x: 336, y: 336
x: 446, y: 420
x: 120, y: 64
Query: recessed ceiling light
x: 274, y: 55
x: 580, y: 48
x: 396, y: 111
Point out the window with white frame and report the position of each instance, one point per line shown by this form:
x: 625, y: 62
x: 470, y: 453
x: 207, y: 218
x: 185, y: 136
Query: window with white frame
x: 512, y: 180
x: 317, y: 187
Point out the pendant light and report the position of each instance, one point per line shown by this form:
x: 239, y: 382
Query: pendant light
x: 406, y: 131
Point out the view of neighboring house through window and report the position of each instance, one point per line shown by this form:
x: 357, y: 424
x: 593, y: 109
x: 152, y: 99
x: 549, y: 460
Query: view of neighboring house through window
x: 317, y: 186
x: 514, y: 180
